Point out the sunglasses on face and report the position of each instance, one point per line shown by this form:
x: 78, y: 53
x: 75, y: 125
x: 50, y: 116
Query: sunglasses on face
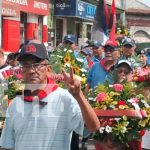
x: 95, y: 48
x: 128, y: 46
x: 124, y: 71
x: 109, y: 50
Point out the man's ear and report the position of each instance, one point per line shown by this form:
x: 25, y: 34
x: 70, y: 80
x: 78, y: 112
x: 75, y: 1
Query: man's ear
x: 49, y: 70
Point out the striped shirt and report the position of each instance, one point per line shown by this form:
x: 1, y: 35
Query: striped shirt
x: 30, y: 126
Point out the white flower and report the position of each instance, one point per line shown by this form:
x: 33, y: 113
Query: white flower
x: 91, y: 99
x: 108, y: 129
x: 65, y: 49
x: 124, y: 129
x: 59, y: 56
x: 83, y: 70
x: 70, y: 51
x: 80, y: 59
x: 67, y: 65
x: 127, y: 123
x: 112, y: 106
x: 136, y: 106
x: 101, y: 129
x: 117, y: 119
x: 145, y: 103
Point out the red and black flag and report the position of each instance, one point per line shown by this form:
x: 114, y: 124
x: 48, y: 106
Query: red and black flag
x: 101, y: 22
x: 113, y: 22
x: 104, y: 26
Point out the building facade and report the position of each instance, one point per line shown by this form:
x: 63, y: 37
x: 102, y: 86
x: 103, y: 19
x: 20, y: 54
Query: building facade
x: 138, y: 20
x: 77, y: 17
x: 22, y: 20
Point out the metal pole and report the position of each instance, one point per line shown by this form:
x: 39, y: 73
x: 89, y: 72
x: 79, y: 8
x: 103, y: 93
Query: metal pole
x: 0, y: 23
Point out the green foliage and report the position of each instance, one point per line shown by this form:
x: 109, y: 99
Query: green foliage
x: 141, y: 46
x: 64, y: 57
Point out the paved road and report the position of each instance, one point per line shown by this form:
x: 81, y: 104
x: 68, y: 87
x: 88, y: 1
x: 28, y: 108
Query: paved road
x: 89, y: 144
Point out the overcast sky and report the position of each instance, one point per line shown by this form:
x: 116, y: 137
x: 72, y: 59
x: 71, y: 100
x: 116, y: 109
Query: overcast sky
x: 146, y: 2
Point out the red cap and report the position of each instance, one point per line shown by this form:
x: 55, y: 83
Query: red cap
x: 111, y: 43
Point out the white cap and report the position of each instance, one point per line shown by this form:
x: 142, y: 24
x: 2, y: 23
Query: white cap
x: 123, y: 61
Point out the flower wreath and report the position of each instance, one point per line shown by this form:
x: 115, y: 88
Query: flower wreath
x: 122, y: 112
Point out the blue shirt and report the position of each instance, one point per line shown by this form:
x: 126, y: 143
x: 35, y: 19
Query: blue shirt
x: 96, y: 75
x: 148, y: 59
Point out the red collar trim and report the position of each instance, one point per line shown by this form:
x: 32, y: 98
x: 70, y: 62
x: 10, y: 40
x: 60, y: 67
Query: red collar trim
x: 102, y: 62
x: 50, y: 87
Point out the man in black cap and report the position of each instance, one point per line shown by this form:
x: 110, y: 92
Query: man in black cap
x: 45, y: 115
x: 128, y: 51
x: 98, y: 51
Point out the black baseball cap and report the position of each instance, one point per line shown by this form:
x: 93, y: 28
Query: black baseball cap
x: 128, y: 41
x: 71, y: 38
x: 34, y: 49
x: 96, y: 44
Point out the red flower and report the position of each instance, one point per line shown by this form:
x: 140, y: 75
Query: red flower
x: 19, y: 76
x: 120, y: 102
x: 101, y: 97
x: 141, y: 78
x: 118, y: 87
x: 142, y: 132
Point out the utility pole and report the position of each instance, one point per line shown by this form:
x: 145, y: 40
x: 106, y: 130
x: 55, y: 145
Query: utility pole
x: 0, y: 23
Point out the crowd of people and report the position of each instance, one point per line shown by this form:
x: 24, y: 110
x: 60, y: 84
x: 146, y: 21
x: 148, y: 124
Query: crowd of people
x: 63, y: 112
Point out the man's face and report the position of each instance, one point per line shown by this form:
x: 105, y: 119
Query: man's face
x: 128, y: 50
x: 35, y: 71
x: 110, y: 54
x: 97, y: 51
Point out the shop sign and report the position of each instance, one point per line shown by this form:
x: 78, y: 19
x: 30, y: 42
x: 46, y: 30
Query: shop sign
x: 85, y: 10
x: 20, y: 2
x: 31, y: 6
x: 9, y: 10
x: 75, y: 8
x: 65, y: 8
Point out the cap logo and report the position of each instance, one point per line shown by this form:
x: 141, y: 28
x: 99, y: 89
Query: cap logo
x: 30, y: 49
x: 129, y: 40
x: 69, y: 36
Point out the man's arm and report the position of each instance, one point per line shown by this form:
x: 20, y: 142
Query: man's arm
x: 90, y: 119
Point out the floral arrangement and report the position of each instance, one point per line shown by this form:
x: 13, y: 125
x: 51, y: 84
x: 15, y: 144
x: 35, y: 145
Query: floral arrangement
x: 142, y: 76
x: 141, y: 80
x: 8, y: 90
x: 14, y: 85
x: 65, y: 58
x: 121, y: 32
x: 122, y: 112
